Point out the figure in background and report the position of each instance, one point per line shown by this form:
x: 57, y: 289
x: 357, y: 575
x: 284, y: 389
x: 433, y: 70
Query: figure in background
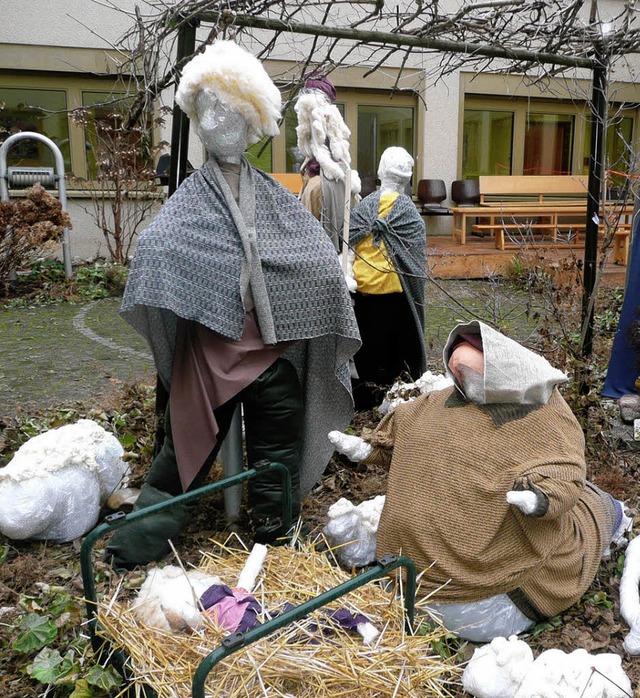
x: 623, y: 375
x: 487, y: 490
x: 387, y: 235
x: 241, y: 298
x: 323, y: 140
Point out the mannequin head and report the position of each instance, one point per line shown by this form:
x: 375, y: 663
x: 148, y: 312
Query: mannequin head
x: 227, y: 77
x: 223, y: 133
x: 466, y: 364
x: 395, y: 169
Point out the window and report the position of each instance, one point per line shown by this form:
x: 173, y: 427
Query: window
x: 40, y: 111
x: 618, y: 149
x: 486, y: 143
x: 548, y: 143
x: 538, y: 137
x: 105, y: 135
x: 379, y: 128
x: 43, y: 103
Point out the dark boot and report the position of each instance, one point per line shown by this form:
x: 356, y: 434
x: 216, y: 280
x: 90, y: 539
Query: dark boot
x: 147, y: 539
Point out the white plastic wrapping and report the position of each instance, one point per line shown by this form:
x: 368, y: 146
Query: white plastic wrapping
x: 354, y: 447
x: 406, y: 392
x: 352, y: 530
x: 484, y: 620
x: 630, y: 596
x: 56, y: 482
x: 395, y: 169
x: 507, y: 669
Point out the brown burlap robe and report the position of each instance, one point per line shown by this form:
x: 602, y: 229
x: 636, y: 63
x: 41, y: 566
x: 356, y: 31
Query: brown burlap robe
x: 452, y: 464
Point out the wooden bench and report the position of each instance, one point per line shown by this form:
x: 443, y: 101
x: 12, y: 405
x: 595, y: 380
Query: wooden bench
x: 520, y: 206
x: 291, y: 180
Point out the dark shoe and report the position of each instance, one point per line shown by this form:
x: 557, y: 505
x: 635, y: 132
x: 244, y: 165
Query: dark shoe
x: 146, y: 540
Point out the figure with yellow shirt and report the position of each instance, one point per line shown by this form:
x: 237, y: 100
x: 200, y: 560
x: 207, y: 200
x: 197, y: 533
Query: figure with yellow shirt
x: 387, y: 236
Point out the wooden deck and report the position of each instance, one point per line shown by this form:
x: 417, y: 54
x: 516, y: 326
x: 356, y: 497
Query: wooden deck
x: 479, y: 258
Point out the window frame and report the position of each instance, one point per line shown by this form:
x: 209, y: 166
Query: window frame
x: 520, y: 106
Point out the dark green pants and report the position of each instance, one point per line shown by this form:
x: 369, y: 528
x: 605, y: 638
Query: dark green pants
x: 272, y: 407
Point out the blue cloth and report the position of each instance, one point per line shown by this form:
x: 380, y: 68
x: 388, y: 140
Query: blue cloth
x: 623, y: 369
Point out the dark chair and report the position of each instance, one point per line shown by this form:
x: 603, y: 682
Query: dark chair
x: 162, y: 169
x: 465, y: 192
x: 431, y: 193
x: 368, y: 186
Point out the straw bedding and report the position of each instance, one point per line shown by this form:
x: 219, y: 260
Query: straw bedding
x: 295, y: 661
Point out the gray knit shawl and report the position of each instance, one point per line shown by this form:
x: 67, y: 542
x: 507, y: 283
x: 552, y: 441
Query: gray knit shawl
x: 188, y: 264
x: 403, y: 233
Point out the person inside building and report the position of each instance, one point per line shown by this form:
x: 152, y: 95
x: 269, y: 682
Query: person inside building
x: 387, y: 236
x: 487, y: 490
x: 241, y: 297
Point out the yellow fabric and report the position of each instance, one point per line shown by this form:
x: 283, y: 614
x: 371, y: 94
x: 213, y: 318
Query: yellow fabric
x: 373, y: 268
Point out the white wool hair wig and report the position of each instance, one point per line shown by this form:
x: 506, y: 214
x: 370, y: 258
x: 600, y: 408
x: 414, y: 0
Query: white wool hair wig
x: 395, y: 164
x: 237, y: 79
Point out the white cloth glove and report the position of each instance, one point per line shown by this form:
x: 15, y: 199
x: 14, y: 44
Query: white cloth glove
x: 352, y: 284
x: 353, y: 447
x: 525, y: 500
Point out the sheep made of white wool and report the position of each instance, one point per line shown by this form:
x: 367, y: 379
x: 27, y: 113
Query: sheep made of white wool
x: 630, y: 596
x: 168, y: 598
x: 352, y: 530
x: 56, y: 482
x: 505, y: 668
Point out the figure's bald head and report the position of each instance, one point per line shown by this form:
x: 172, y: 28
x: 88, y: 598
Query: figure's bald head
x: 466, y: 363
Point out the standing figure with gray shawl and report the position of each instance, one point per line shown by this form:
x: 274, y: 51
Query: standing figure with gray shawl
x: 240, y: 295
x: 387, y: 235
x: 323, y: 140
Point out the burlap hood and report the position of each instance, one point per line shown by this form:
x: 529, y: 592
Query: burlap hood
x: 512, y: 373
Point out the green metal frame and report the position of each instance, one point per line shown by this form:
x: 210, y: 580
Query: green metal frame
x: 235, y: 641
x: 120, y: 519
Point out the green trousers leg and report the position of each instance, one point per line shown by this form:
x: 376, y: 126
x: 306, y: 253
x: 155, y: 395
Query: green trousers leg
x: 273, y: 427
x: 273, y: 417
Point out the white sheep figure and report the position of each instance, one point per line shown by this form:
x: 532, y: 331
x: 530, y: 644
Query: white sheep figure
x: 54, y: 485
x: 168, y: 598
x: 630, y: 596
x: 505, y: 668
x: 352, y: 530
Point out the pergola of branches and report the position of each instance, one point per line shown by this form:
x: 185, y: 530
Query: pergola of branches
x: 534, y: 38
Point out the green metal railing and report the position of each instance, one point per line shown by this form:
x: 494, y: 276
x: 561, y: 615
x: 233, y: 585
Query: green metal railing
x: 235, y: 641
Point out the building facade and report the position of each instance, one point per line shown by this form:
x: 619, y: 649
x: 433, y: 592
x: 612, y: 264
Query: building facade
x: 56, y: 56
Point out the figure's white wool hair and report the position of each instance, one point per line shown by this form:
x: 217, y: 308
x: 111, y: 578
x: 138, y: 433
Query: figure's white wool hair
x: 320, y: 122
x: 239, y: 80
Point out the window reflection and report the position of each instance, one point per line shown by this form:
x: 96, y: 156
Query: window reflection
x: 487, y: 143
x: 41, y: 111
x: 379, y: 128
x: 548, y: 144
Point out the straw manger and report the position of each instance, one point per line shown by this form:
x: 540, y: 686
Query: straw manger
x: 297, y: 660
